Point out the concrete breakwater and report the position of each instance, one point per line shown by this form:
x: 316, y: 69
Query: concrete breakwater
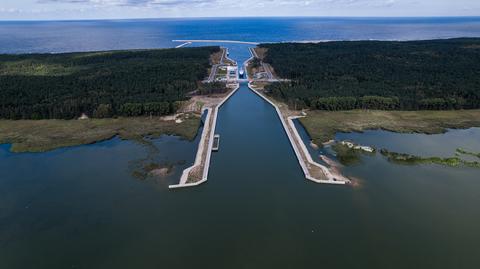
x: 198, y: 172
x: 313, y: 171
x: 183, y: 45
x: 215, y: 41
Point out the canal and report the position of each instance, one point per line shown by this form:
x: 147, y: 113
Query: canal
x: 80, y: 207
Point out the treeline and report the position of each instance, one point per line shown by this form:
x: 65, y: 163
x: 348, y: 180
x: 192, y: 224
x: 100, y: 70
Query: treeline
x: 374, y: 102
x: 348, y: 103
x: 435, y: 74
x: 99, y: 84
x: 212, y: 88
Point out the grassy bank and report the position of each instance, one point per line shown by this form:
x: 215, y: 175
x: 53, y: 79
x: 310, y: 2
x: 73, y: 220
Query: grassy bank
x: 45, y: 135
x: 322, y: 125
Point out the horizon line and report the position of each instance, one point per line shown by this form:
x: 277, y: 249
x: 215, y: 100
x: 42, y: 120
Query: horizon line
x: 235, y: 17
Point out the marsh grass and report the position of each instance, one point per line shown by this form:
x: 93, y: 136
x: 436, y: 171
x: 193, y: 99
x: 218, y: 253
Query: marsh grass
x: 45, y: 135
x: 323, y: 125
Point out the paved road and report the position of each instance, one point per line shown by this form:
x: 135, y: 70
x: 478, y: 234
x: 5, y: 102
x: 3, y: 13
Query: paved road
x: 266, y: 67
x: 213, y: 73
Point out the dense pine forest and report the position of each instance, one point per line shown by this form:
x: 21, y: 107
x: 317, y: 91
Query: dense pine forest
x: 99, y: 84
x: 436, y: 74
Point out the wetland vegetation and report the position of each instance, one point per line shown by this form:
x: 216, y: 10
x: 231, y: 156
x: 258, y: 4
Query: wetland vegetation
x: 322, y: 125
x: 461, y: 151
x: 348, y: 155
x: 409, y: 159
x: 44, y: 135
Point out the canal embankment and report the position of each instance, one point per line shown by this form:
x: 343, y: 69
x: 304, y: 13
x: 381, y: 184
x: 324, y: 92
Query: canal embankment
x: 312, y: 170
x: 198, y: 172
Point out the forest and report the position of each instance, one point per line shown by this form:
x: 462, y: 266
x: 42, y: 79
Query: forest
x: 100, y: 84
x: 216, y: 87
x: 386, y: 75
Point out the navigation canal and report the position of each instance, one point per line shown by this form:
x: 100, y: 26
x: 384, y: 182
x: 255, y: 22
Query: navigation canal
x: 77, y: 207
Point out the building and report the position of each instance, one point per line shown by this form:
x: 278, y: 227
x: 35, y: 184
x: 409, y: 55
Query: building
x: 232, y: 72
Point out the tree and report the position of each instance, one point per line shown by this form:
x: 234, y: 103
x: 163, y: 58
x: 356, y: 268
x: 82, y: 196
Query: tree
x: 103, y: 111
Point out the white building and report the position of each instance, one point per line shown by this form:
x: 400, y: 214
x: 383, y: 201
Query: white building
x: 232, y: 72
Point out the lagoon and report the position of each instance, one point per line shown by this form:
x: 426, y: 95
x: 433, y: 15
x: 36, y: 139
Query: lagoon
x: 81, y: 207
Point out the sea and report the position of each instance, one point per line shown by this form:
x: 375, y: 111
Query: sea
x: 93, y: 35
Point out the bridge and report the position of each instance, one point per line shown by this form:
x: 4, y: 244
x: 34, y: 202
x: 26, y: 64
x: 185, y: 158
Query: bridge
x: 215, y: 41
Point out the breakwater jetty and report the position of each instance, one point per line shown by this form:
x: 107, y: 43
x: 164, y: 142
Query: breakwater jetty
x: 198, y: 172
x: 215, y: 41
x: 183, y: 45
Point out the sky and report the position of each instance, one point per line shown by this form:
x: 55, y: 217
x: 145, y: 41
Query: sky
x: 125, y: 9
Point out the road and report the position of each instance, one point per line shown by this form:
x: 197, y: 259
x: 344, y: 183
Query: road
x: 213, y: 73
x: 266, y: 67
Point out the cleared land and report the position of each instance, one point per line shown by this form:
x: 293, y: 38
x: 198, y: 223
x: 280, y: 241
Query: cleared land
x: 44, y: 135
x: 322, y: 125
x: 216, y: 58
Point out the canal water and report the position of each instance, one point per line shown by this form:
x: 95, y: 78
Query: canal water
x: 81, y: 207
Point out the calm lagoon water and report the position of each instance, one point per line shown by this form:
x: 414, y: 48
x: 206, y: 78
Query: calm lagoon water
x: 81, y: 207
